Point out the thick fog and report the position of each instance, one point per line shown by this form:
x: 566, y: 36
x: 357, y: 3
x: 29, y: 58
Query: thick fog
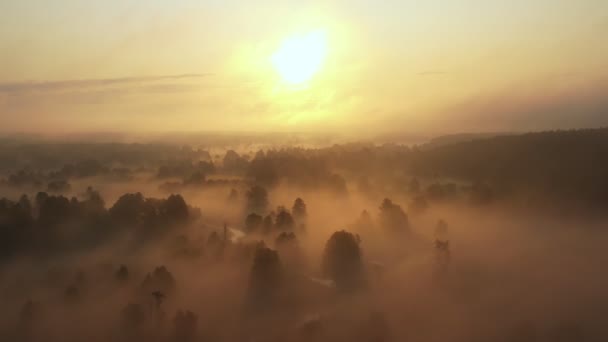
x: 354, y: 242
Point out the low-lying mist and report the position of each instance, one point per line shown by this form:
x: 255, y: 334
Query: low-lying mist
x: 348, y: 243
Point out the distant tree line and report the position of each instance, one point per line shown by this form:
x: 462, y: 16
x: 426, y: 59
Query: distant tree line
x: 50, y: 224
x: 558, y: 167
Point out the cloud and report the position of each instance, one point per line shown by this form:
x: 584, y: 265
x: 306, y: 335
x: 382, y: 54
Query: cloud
x: 574, y: 105
x: 165, y: 102
x: 42, y: 86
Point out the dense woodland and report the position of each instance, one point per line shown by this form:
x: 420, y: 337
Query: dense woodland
x: 564, y: 167
x: 354, y: 242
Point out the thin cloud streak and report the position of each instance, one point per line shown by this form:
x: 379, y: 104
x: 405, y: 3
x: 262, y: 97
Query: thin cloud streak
x: 575, y: 106
x: 15, y: 87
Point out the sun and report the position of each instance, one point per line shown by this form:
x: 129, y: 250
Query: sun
x: 300, y: 57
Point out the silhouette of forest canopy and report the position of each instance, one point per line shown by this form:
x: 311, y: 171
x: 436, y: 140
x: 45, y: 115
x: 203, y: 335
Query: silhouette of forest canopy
x: 56, y: 224
x: 560, y: 166
x: 335, y: 243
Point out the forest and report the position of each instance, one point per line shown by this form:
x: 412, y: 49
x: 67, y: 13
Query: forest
x: 469, y: 238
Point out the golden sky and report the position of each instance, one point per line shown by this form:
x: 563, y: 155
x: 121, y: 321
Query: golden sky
x: 415, y: 66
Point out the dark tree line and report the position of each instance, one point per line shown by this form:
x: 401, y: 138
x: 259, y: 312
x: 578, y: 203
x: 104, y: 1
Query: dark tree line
x: 52, y: 224
x: 565, y: 168
x: 283, y: 219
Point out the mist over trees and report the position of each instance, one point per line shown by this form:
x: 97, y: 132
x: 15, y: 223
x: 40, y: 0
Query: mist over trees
x: 56, y: 224
x: 257, y: 199
x: 265, y: 278
x: 393, y: 218
x: 482, y: 239
x: 343, y: 261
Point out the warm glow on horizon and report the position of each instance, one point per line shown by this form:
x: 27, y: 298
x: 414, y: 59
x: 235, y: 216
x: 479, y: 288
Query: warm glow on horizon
x: 362, y: 66
x: 300, y: 57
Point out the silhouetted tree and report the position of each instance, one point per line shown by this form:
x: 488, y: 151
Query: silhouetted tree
x: 284, y: 220
x: 299, y: 210
x: 286, y: 238
x: 176, y: 210
x: 288, y: 246
x: 253, y: 223
x: 25, y: 204
x: 122, y: 274
x: 53, y: 209
x: 93, y: 201
x: 205, y: 167
x: 265, y: 277
x: 159, y: 280
x: 151, y: 216
x: 16, y: 221
x: 129, y: 209
x: 40, y: 198
x: 257, y: 200
x: 342, y: 261
x: 159, y: 297
x: 233, y: 163
x: 393, y: 218
x: 263, y: 170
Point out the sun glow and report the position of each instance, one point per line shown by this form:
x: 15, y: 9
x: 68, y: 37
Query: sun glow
x: 300, y: 57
